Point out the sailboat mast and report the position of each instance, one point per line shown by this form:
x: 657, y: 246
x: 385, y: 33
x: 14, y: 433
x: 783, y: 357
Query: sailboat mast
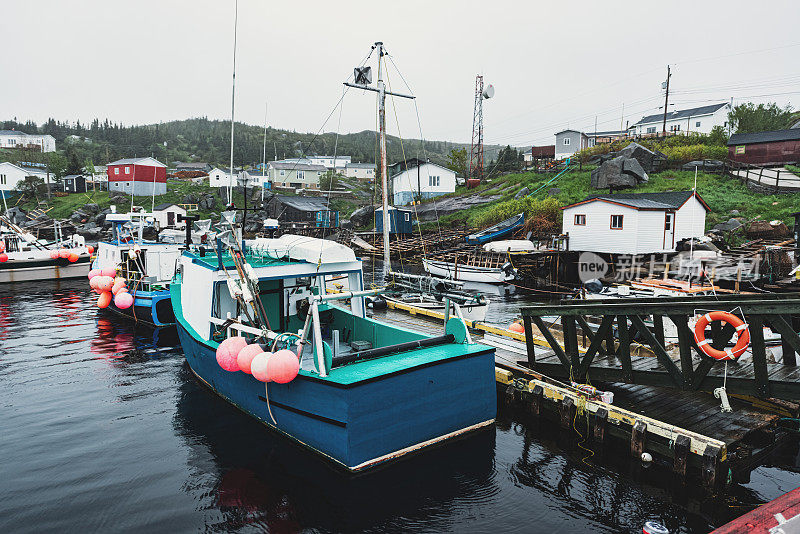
x: 233, y: 96
x: 387, y: 261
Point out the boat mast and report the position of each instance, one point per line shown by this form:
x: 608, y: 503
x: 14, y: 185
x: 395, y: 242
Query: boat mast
x: 387, y: 260
x: 362, y: 79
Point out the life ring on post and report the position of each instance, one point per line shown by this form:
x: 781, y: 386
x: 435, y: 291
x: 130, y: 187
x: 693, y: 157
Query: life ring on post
x: 742, y: 335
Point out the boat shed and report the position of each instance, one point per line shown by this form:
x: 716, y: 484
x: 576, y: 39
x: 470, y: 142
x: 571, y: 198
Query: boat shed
x: 302, y: 212
x: 634, y: 223
x: 74, y: 183
x: 400, y: 220
x: 776, y: 146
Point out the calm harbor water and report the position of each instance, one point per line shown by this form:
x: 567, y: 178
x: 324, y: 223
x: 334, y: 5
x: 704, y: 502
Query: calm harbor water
x: 104, y: 429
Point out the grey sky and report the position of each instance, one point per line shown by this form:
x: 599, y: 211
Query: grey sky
x: 554, y: 65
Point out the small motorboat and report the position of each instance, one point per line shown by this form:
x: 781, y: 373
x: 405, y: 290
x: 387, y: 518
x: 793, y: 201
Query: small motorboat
x: 469, y: 273
x: 499, y: 230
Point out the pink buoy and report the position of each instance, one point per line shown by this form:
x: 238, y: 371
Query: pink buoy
x: 109, y: 271
x: 93, y: 273
x: 3, y: 257
x: 259, y: 365
x: 104, y: 299
x: 93, y: 281
x: 516, y: 327
x: 119, y: 284
x: 245, y: 357
x: 63, y: 253
x: 105, y: 283
x: 73, y: 257
x: 283, y: 366
x: 90, y: 249
x: 227, y: 352
x: 123, y: 300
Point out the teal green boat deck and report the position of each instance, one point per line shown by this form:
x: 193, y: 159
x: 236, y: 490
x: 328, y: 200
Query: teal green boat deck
x: 366, y: 370
x: 256, y: 260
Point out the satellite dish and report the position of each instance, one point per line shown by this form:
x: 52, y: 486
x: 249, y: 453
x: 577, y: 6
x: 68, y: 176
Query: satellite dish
x: 488, y: 92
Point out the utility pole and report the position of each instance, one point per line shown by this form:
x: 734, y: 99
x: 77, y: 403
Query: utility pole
x: 666, y: 105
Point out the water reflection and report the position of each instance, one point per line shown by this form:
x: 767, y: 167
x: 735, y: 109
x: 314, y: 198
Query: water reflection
x: 264, y: 479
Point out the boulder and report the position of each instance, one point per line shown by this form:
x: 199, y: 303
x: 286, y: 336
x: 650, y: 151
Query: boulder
x: 91, y: 208
x: 430, y: 211
x: 16, y: 215
x: 345, y: 224
x: 647, y: 158
x: 189, y: 199
x: 707, y: 165
x: 734, y: 213
x: 618, y: 173
x: 78, y: 216
x: 553, y: 191
x: 522, y: 192
x: 728, y: 226
x: 362, y: 216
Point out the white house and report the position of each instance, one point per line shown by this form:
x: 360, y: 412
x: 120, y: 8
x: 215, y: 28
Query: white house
x: 167, y: 215
x: 17, y: 139
x: 421, y: 180
x: 295, y: 175
x: 698, y: 120
x: 11, y: 175
x: 634, y: 223
x: 222, y: 178
x: 329, y: 162
x: 362, y: 171
x: 570, y: 141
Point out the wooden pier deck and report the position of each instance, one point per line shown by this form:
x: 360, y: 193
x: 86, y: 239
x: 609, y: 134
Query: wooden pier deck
x: 685, y: 428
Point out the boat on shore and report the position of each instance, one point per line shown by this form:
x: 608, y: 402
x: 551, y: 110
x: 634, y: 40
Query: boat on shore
x: 365, y: 392
x: 497, y: 231
x: 24, y: 258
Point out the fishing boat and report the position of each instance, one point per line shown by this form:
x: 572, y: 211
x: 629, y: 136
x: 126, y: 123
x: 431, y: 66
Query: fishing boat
x: 24, y: 258
x: 435, y: 294
x: 365, y: 392
x: 469, y: 273
x: 146, y: 266
x: 262, y: 326
x: 497, y: 231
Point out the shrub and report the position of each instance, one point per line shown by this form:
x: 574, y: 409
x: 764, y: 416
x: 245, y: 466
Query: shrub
x: 545, y: 213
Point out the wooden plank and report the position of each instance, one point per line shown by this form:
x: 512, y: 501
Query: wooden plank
x: 759, y: 355
x: 624, y: 348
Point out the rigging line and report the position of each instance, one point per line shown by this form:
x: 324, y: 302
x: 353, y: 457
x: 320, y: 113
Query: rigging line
x: 405, y: 164
x: 330, y: 186
x: 316, y: 135
x: 422, y: 140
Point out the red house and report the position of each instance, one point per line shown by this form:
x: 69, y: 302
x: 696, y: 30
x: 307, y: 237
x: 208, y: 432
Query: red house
x: 138, y: 176
x: 776, y: 146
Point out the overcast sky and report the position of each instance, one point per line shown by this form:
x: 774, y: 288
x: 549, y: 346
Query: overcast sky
x: 554, y: 65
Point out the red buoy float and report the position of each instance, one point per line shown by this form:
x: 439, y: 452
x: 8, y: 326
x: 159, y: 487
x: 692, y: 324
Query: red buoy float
x: 742, y: 335
x: 3, y: 257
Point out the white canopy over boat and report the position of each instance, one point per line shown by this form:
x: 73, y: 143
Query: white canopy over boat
x: 302, y: 248
x: 510, y: 245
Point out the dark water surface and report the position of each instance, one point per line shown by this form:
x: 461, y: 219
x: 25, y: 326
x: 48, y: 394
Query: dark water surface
x: 104, y: 429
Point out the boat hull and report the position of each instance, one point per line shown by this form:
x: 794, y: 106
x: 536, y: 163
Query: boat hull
x: 42, y: 269
x: 471, y: 312
x: 366, y: 423
x: 150, y: 307
x: 466, y: 273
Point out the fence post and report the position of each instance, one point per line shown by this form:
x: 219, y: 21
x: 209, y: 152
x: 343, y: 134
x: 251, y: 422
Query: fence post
x: 777, y: 179
x: 760, y: 172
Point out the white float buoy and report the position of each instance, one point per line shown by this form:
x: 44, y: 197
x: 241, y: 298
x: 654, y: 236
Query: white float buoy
x: 654, y: 527
x: 647, y: 457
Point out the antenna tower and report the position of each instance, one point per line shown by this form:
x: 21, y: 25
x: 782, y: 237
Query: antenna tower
x: 476, y: 150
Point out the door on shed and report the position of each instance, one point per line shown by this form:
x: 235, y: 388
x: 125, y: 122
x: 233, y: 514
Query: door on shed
x: 669, y: 230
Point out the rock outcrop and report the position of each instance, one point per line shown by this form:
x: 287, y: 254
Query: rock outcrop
x: 618, y: 173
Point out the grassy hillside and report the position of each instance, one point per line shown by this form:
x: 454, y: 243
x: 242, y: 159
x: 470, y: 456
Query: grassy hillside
x: 722, y: 195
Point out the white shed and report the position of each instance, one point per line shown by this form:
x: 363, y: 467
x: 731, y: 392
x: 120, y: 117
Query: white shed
x: 167, y: 215
x: 424, y: 180
x: 634, y: 223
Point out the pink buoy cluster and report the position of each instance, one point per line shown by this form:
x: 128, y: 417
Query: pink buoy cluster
x: 235, y: 354
x: 110, y: 287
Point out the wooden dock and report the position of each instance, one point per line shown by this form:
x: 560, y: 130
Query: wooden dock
x: 685, y: 429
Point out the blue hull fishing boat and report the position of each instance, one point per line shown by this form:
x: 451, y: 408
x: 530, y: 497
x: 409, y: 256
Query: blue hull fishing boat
x: 497, y: 231
x: 365, y: 392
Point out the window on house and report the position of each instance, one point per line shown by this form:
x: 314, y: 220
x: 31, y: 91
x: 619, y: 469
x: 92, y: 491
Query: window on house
x: 283, y: 173
x: 651, y: 129
x: 697, y: 124
x: 616, y: 222
x: 580, y: 220
x: 116, y: 170
x: 408, y: 216
x: 434, y: 181
x: 2, y: 179
x: 566, y: 140
x: 127, y: 170
x: 301, y: 175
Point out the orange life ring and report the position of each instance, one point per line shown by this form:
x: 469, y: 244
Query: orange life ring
x: 742, y: 335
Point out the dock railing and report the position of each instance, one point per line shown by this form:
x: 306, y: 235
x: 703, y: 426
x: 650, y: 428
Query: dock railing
x: 623, y: 323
